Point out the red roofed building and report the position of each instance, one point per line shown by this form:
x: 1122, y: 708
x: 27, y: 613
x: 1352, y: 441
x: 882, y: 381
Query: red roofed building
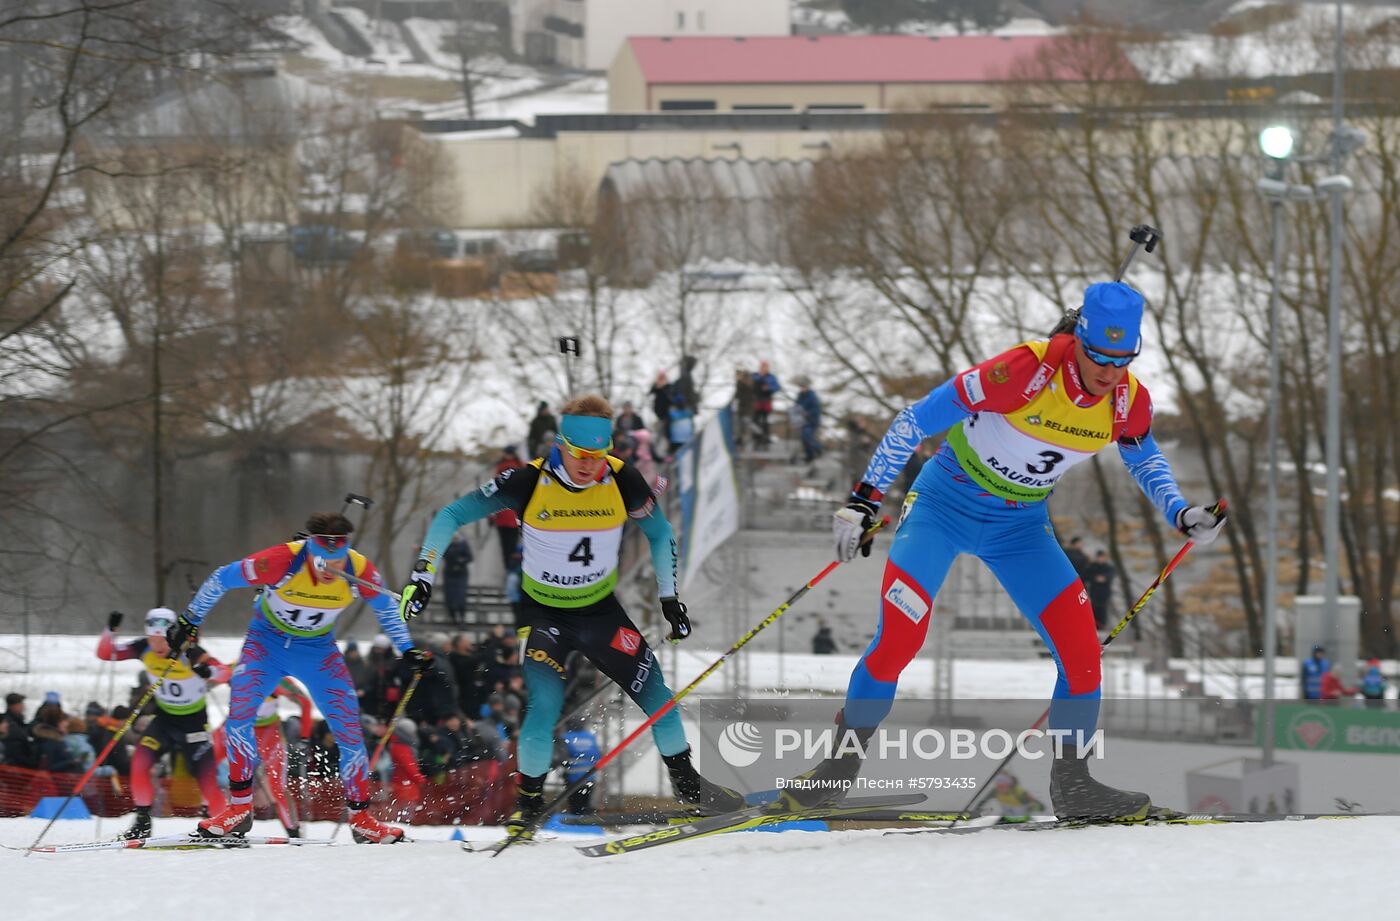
x: 795, y: 73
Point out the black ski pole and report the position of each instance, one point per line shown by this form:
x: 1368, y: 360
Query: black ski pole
x: 979, y: 797
x: 384, y: 739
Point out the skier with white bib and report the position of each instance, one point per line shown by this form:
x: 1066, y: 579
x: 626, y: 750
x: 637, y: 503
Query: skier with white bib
x: 573, y: 503
x: 1014, y: 425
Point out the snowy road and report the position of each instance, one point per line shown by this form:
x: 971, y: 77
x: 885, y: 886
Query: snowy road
x: 1168, y: 873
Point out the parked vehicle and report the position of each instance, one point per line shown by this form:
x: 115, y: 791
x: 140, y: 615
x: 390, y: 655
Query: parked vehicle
x: 535, y: 260
x: 323, y: 243
x: 429, y: 244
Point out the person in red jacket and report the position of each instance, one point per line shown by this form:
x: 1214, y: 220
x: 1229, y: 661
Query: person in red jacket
x: 506, y: 523
x: 1333, y: 689
x: 408, y: 779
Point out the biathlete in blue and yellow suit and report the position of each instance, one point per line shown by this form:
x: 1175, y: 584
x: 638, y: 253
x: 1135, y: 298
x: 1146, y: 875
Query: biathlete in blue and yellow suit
x: 1015, y: 424
x: 572, y: 506
x: 300, y: 595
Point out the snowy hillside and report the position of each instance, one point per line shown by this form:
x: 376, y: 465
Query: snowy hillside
x: 413, y: 68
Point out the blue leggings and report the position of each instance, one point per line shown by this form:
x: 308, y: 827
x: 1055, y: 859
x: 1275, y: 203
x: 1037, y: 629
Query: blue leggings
x: 944, y: 516
x: 268, y: 655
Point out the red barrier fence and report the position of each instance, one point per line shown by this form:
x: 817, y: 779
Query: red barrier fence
x: 481, y: 793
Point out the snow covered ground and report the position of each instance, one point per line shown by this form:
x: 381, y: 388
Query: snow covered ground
x: 431, y: 89
x: 1167, y: 873
x: 1243, y: 872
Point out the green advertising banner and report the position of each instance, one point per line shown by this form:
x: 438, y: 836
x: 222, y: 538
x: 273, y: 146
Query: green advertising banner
x: 1309, y: 727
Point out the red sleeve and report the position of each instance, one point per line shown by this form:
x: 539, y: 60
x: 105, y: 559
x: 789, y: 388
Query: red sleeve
x: 1139, y: 414
x: 109, y: 651
x: 221, y: 674
x: 369, y: 574
x: 267, y: 566
x: 998, y: 384
x: 306, y: 722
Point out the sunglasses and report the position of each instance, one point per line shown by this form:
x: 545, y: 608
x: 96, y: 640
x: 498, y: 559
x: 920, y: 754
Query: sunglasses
x: 1103, y: 361
x: 584, y: 453
x: 332, y: 541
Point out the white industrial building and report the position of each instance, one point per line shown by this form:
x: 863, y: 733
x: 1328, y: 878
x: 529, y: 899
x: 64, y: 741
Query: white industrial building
x: 587, y: 34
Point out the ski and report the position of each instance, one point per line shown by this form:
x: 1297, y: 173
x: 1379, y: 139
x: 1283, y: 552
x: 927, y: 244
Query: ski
x: 176, y: 842
x: 491, y: 847
x: 754, y: 817
x: 643, y: 817
x: 684, y: 817
x: 1172, y: 818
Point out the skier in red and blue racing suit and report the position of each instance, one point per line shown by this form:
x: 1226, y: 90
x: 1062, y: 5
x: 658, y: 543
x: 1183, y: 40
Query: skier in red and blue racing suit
x: 1014, y: 424
x: 300, y: 595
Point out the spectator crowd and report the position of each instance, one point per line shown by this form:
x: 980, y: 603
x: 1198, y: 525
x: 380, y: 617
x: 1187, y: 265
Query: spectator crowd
x: 465, y: 712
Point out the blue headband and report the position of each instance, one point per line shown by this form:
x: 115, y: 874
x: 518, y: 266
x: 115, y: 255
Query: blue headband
x: 316, y: 548
x: 592, y: 433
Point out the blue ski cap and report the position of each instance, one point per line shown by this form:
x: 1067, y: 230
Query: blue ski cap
x: 592, y: 433
x: 1111, y: 317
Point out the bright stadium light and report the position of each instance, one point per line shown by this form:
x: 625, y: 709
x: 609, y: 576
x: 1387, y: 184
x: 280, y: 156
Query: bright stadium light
x: 1276, y: 141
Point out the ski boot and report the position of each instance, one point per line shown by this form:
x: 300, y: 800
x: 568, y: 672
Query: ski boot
x: 529, y: 803
x: 693, y: 790
x: 234, y: 822
x: 1076, y: 795
x: 830, y: 780
x: 366, y: 829
x: 140, y: 827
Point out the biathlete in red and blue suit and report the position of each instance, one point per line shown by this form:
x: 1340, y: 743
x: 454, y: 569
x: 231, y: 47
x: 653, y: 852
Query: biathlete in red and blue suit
x: 300, y: 595
x: 1015, y: 424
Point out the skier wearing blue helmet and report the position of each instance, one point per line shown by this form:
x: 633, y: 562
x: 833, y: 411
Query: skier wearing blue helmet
x: 1013, y: 425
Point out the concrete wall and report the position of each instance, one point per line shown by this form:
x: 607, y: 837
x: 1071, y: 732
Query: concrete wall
x: 500, y: 180
x: 629, y: 92
x: 627, y: 88
x: 797, y: 96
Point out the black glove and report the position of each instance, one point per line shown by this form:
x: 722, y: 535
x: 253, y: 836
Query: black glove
x: 414, y: 597
x: 420, y: 660
x: 196, y: 656
x: 114, y: 620
x: 674, y: 610
x: 181, y: 632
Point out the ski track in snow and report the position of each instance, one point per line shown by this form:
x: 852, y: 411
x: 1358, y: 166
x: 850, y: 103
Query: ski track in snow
x: 1240, y: 872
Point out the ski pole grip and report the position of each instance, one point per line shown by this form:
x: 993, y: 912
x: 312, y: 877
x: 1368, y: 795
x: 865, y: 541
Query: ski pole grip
x: 871, y: 531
